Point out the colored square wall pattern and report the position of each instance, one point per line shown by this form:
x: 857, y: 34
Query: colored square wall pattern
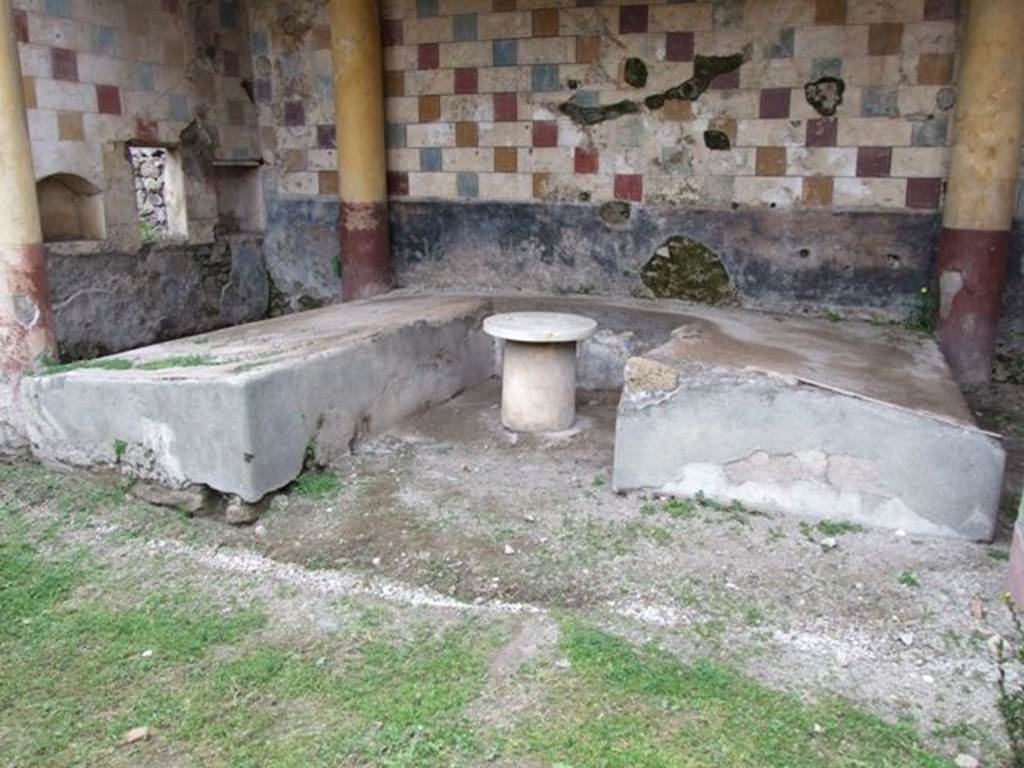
x: 775, y: 103
x: 294, y: 113
x: 108, y: 99
x: 822, y: 132
x: 398, y: 184
x: 544, y: 77
x: 629, y: 186
x: 940, y: 10
x: 505, y: 107
x: 633, y: 19
x: 924, y: 193
x: 874, y: 161
x: 476, y: 88
x: 545, y: 133
x: 586, y: 160
x: 505, y: 53
x: 465, y: 81
x: 391, y: 32
x: 64, y: 63
x: 428, y: 56
x: 21, y: 26
x: 679, y: 46
x: 464, y: 27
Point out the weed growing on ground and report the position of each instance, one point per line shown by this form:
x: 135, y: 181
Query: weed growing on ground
x: 708, y: 503
x: 680, y: 509
x: 313, y: 484
x: 120, y: 446
x: 908, y: 579
x: 316, y: 563
x: 753, y: 615
x: 735, y: 510
x: 838, y: 527
x: 923, y: 316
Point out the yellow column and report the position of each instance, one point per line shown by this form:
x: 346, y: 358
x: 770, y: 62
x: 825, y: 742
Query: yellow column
x: 362, y: 168
x: 981, y: 193
x: 26, y: 318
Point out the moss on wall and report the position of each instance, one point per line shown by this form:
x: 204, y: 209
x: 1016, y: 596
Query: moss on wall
x: 687, y: 269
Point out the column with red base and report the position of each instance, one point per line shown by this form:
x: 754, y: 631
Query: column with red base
x: 26, y: 317
x: 981, y: 195
x: 362, y: 167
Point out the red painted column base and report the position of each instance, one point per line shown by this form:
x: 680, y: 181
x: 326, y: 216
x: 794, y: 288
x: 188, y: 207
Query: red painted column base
x: 363, y: 239
x: 28, y: 331
x: 972, y: 275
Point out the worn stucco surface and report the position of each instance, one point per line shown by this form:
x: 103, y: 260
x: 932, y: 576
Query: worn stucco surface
x: 803, y: 258
x: 109, y: 302
x: 796, y: 419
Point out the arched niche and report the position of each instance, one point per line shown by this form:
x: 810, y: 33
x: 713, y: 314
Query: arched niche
x: 70, y: 208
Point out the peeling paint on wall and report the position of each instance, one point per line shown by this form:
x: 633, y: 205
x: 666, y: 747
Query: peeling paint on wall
x: 825, y: 94
x: 705, y: 69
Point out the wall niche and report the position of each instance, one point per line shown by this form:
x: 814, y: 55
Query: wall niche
x: 70, y: 208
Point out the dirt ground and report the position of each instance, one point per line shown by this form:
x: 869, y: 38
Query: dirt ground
x: 453, y: 503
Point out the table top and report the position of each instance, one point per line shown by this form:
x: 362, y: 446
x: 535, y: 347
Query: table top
x: 540, y: 327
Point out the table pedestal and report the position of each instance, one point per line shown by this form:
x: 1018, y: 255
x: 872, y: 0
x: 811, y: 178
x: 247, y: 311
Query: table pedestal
x: 538, y: 388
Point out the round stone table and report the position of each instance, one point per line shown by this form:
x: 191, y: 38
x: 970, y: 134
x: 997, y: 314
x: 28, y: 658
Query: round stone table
x: 538, y: 379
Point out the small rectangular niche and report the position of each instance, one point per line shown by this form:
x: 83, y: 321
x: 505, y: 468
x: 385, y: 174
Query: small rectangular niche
x: 70, y: 209
x: 159, y: 193
x: 239, y: 188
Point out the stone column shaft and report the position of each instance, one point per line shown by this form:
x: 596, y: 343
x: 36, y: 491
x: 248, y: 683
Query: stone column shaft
x: 362, y: 168
x: 26, y: 317
x: 981, y: 194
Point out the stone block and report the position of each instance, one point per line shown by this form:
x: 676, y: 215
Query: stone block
x: 467, y: 107
x: 242, y: 423
x: 512, y: 134
x: 681, y: 17
x: 873, y: 132
x: 870, y: 193
x: 822, y: 161
x: 440, y: 185
x: 787, y: 416
x: 468, y: 159
x: 469, y: 54
x: 496, y: 26
x: 437, y: 29
x: 501, y: 79
x: 831, y: 41
x: 877, y: 11
x: 769, y: 133
x: 430, y: 135
x: 587, y: 21
x: 780, y: 192
x: 506, y: 186
x: 920, y: 161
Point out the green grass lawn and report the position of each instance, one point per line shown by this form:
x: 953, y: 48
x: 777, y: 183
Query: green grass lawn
x: 86, y: 654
